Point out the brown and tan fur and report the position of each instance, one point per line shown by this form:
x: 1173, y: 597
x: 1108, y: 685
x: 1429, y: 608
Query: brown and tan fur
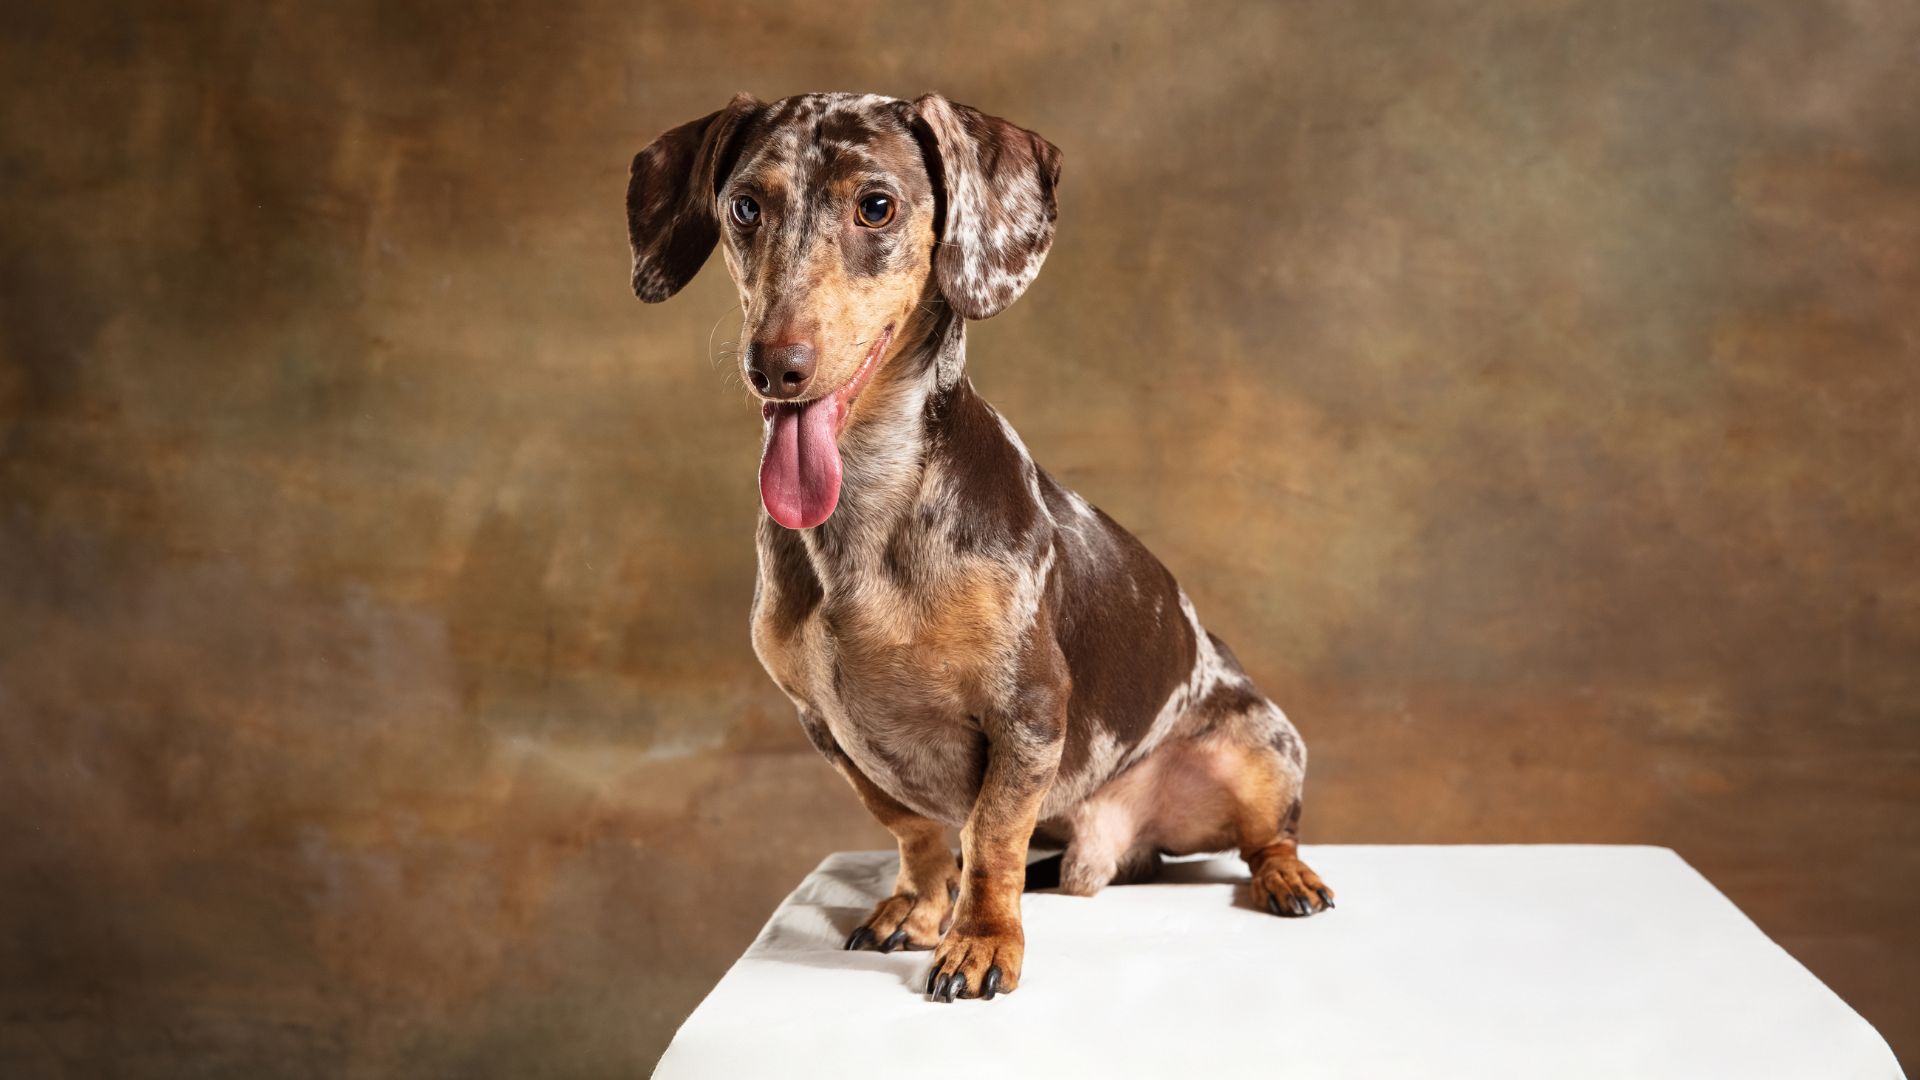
x: 970, y: 644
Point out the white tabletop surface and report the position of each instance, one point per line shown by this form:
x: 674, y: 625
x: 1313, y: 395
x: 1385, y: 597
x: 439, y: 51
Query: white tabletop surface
x: 1523, y: 961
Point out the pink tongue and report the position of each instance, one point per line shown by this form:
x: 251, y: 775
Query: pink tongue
x: 800, y: 464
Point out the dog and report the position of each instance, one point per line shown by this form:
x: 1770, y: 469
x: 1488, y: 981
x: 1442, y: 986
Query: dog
x: 968, y: 642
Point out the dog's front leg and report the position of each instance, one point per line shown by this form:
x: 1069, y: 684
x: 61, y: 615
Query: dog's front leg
x: 981, y: 955
x: 921, y: 906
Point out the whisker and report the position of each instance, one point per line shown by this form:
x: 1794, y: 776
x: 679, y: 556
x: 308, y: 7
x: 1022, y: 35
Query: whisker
x: 711, y: 358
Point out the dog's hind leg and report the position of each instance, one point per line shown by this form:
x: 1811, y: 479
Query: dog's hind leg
x: 1106, y: 848
x: 1265, y: 779
x: 1239, y: 784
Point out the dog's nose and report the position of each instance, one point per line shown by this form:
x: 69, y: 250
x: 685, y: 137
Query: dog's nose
x: 780, y: 370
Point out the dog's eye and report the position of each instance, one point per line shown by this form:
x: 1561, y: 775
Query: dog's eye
x: 746, y: 212
x: 875, y: 211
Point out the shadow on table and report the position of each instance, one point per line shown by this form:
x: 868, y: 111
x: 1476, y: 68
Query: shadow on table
x: 817, y: 937
x: 822, y: 944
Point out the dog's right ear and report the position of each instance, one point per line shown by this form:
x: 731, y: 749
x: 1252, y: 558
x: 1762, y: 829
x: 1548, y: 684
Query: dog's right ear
x: 672, y: 195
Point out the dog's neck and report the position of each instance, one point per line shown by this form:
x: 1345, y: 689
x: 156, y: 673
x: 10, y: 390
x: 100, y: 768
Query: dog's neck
x: 884, y: 450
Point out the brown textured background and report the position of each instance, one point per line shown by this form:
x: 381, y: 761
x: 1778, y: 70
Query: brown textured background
x: 1527, y: 390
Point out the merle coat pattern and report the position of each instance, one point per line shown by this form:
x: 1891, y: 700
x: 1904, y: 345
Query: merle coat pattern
x: 968, y: 642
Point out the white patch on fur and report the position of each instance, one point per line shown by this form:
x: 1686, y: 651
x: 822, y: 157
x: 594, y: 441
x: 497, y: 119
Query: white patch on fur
x: 1031, y: 470
x: 1104, y: 755
x: 1210, y: 669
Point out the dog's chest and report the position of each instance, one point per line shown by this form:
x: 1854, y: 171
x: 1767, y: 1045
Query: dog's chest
x: 899, y: 672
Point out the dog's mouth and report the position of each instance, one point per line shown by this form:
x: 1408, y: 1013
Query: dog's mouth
x: 800, y: 459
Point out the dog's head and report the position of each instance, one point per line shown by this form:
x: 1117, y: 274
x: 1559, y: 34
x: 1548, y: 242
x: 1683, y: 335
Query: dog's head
x: 844, y: 220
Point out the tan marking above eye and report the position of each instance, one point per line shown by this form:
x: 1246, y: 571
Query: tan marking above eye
x: 874, y: 210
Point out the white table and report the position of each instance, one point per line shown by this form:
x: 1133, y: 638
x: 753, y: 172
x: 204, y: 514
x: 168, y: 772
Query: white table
x: 1440, y: 961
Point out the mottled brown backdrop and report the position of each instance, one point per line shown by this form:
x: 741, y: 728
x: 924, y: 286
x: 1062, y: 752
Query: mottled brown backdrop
x: 1528, y: 390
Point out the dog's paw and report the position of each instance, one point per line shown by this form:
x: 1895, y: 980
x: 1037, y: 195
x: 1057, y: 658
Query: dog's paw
x: 1288, y: 887
x: 976, y: 962
x: 906, y: 920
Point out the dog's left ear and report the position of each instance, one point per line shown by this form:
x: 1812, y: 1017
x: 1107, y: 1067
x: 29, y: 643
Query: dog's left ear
x: 672, y: 217
x: 997, y: 182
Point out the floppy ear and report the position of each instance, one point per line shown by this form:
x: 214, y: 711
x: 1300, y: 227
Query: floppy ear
x: 997, y: 182
x: 672, y: 220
